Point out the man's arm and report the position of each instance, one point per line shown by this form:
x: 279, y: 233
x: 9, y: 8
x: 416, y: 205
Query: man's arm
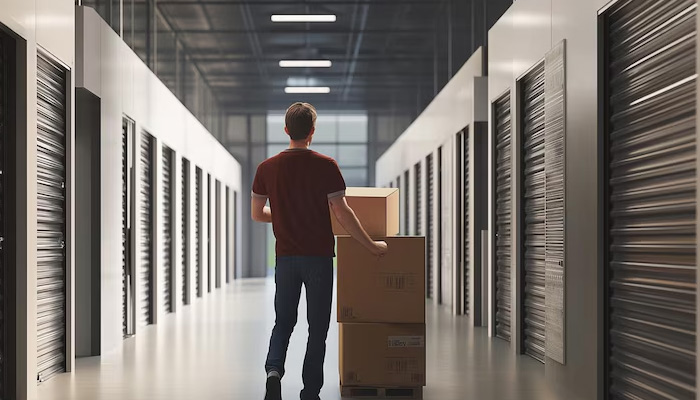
x: 347, y: 218
x: 259, y: 211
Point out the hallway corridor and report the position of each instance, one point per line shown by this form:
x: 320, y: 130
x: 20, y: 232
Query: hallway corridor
x: 217, y: 352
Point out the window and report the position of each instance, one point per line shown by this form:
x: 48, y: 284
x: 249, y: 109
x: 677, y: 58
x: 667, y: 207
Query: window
x: 342, y: 137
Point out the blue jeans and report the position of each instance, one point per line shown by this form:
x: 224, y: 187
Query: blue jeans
x: 316, y: 273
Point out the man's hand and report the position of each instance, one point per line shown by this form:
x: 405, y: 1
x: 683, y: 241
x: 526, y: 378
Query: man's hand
x: 380, y: 248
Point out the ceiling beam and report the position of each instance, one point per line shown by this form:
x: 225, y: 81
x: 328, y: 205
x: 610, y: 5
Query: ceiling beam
x: 356, y: 51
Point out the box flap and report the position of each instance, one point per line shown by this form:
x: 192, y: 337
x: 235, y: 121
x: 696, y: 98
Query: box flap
x: 370, y: 192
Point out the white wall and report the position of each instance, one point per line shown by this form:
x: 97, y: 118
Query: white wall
x: 108, y: 68
x: 50, y: 25
x: 460, y: 104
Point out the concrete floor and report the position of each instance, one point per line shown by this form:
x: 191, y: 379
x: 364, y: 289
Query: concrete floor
x: 215, y: 349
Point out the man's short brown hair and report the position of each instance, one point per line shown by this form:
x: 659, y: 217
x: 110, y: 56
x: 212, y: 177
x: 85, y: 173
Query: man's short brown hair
x: 299, y: 120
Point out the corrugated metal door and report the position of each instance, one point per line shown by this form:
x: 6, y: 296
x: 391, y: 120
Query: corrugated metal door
x: 185, y: 232
x: 198, y: 232
x: 430, y: 236
x: 419, y: 199
x: 217, y: 233
x: 127, y: 204
x: 146, y: 231
x: 208, y: 242
x: 3, y: 123
x: 651, y: 199
x: 503, y: 217
x: 407, y: 203
x: 167, y: 261
x: 51, y: 218
x: 533, y: 212
x: 228, y: 235
x: 464, y: 140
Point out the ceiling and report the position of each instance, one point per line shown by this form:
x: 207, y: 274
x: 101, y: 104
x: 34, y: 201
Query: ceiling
x: 388, y: 55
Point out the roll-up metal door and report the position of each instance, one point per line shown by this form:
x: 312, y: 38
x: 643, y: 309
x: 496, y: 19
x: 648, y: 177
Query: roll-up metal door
x: 533, y: 212
x: 167, y: 262
x: 419, y: 199
x: 198, y: 232
x: 3, y: 123
x: 51, y: 218
x: 235, y: 233
x: 650, y: 195
x: 407, y: 203
x: 503, y: 217
x: 128, y: 297
x: 146, y: 231
x: 228, y: 235
x: 463, y: 142
x: 209, y: 223
x: 217, y: 233
x: 430, y: 237
x: 185, y: 232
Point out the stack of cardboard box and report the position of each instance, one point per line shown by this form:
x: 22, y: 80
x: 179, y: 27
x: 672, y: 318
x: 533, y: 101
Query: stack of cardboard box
x: 381, y: 302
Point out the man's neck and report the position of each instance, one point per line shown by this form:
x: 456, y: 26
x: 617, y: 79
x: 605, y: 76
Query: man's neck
x: 298, y: 145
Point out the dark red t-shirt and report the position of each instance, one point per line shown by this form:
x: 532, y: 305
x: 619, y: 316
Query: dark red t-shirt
x: 298, y: 183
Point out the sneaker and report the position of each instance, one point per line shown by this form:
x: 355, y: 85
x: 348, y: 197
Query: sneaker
x: 274, y: 388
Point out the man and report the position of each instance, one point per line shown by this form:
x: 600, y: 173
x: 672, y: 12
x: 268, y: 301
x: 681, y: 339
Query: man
x: 301, y: 184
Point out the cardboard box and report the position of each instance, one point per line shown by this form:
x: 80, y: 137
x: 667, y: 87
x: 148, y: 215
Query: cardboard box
x: 382, y: 355
x: 390, y: 289
x: 376, y: 208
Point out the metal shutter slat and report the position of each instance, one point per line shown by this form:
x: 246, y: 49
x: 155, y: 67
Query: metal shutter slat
x: 51, y: 219
x: 503, y: 216
x: 146, y: 234
x: 167, y: 159
x: 651, y: 199
x: 533, y: 203
x: 184, y: 240
x: 430, y: 235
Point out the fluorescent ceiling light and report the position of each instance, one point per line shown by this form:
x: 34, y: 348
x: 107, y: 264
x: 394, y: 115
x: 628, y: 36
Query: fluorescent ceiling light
x: 303, y: 18
x: 307, y: 89
x: 305, y: 63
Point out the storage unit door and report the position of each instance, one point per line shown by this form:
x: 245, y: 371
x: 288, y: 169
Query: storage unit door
x: 430, y: 235
x: 533, y: 212
x: 125, y: 228
x: 407, y: 203
x: 217, y: 233
x: 51, y: 218
x: 3, y: 135
x: 503, y: 217
x: 419, y: 199
x: 198, y: 231
x: 208, y: 242
x: 465, y: 218
x: 184, y: 239
x: 146, y: 231
x: 651, y: 199
x: 167, y: 261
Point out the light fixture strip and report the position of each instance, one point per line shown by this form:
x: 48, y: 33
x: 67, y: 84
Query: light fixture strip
x: 303, y: 18
x: 307, y: 89
x: 305, y: 63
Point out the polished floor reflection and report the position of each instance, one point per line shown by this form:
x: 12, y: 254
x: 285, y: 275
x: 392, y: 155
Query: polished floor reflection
x: 215, y: 349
